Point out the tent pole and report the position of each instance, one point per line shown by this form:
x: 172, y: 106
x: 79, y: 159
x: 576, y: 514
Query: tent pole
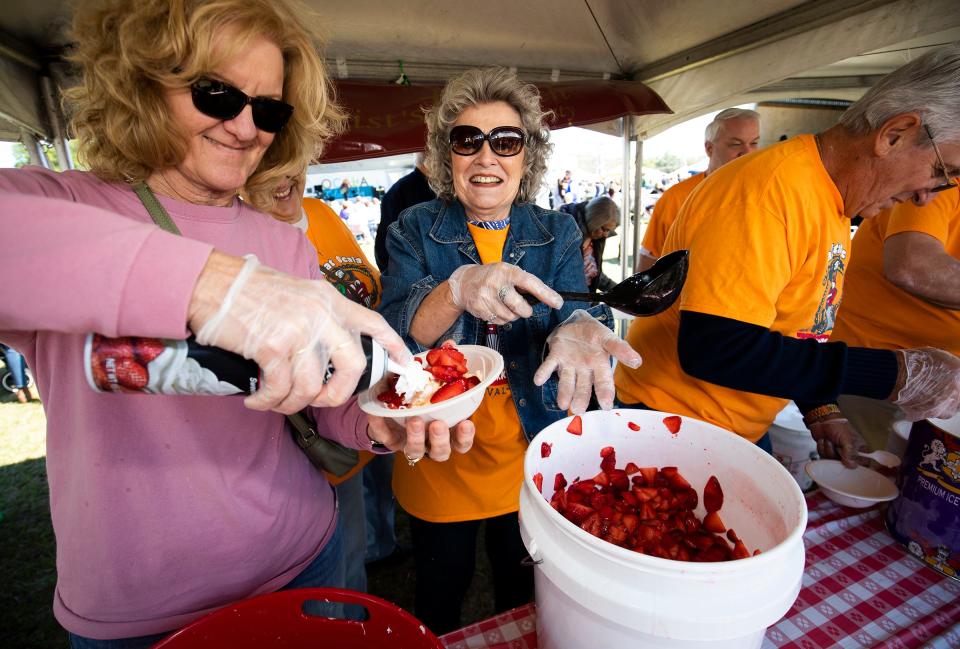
x: 56, y: 125
x: 626, y: 124
x: 637, y: 201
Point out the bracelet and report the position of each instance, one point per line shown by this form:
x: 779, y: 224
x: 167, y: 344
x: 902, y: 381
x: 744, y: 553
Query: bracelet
x: 374, y: 444
x: 820, y: 412
x: 838, y: 420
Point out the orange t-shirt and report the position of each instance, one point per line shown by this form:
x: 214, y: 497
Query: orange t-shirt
x: 485, y: 481
x: 876, y: 313
x: 768, y: 244
x: 347, y: 268
x: 341, y: 260
x: 665, y: 212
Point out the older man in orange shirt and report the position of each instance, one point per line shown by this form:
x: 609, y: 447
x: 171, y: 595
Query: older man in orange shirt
x: 764, y: 288
x: 734, y: 132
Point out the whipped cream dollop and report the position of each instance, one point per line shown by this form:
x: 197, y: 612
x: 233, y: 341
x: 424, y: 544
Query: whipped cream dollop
x: 413, y: 380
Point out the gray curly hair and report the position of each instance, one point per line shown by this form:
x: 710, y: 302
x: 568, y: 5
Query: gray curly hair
x: 482, y: 86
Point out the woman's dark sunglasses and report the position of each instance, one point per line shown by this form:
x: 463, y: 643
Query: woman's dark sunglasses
x: 505, y: 141
x: 221, y: 100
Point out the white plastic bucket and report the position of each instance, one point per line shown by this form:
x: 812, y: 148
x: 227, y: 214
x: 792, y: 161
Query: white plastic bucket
x: 793, y: 446
x: 591, y: 593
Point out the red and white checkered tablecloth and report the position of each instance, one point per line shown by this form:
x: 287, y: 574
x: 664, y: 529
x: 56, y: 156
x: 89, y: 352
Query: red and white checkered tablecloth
x: 860, y: 589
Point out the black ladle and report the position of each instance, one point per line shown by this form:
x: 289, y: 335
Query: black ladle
x: 644, y: 294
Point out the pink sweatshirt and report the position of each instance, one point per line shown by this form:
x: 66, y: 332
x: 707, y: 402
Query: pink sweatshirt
x: 164, y: 507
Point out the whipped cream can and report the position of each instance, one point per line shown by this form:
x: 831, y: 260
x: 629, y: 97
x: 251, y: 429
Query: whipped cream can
x: 166, y: 366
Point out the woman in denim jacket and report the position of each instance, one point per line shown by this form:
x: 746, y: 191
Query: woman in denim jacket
x: 458, y: 266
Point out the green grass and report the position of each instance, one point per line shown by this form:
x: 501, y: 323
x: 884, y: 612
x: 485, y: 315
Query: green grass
x: 27, y: 551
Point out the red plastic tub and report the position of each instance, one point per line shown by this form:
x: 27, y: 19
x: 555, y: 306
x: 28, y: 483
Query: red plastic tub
x: 278, y: 620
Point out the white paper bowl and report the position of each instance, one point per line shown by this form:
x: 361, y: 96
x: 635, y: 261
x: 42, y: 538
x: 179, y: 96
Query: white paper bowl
x: 860, y: 487
x: 483, y: 362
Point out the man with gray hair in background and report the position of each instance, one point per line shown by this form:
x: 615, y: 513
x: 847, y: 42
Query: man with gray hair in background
x: 734, y: 132
x: 769, y: 241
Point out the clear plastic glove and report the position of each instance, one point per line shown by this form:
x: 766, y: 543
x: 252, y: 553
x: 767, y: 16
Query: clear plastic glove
x: 931, y: 387
x: 416, y: 440
x: 838, y: 440
x: 489, y: 291
x: 292, y: 328
x: 580, y: 351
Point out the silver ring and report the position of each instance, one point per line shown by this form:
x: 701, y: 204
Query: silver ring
x: 492, y: 318
x: 412, y: 461
x: 502, y: 293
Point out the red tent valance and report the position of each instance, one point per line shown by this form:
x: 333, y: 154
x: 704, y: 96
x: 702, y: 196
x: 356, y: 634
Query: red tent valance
x: 387, y: 119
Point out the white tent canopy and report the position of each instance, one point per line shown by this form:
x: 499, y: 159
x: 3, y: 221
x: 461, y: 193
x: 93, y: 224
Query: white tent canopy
x: 699, y: 55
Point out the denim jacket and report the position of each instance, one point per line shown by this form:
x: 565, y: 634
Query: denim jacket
x: 431, y: 240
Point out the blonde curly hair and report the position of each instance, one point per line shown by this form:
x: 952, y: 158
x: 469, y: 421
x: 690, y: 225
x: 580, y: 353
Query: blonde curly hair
x: 482, y: 86
x: 130, y: 51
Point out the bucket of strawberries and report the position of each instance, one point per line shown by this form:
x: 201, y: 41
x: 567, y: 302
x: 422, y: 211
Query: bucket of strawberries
x: 648, y: 529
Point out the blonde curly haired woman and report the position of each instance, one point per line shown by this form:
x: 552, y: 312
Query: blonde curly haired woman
x: 167, y: 507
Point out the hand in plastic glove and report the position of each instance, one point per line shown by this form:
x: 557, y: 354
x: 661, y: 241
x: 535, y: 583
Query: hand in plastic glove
x: 416, y: 440
x: 291, y: 327
x: 838, y: 440
x: 489, y: 291
x: 930, y: 384
x: 580, y: 351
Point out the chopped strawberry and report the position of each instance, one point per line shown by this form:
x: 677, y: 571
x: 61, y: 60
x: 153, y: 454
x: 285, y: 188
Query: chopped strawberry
x: 740, y: 551
x: 673, y: 476
x: 672, y: 423
x: 545, y: 449
x: 592, y: 524
x: 633, y: 426
x: 559, y: 482
x: 444, y: 374
x: 538, y: 480
x: 472, y: 381
x: 713, y: 495
x: 575, y: 427
x: 448, y: 391
x: 713, y: 523
x: 649, y: 474
x: 576, y: 513
x: 609, y: 461
x: 631, y: 468
x: 645, y: 494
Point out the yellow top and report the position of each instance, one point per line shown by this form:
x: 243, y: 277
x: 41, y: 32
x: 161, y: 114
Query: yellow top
x: 347, y: 268
x: 485, y: 481
x: 665, y: 213
x: 876, y: 313
x: 768, y: 245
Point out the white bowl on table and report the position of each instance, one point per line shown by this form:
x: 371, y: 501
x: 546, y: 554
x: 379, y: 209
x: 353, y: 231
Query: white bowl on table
x: 483, y: 362
x: 859, y: 487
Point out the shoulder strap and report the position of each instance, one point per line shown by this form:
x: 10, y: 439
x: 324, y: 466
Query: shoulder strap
x: 154, y: 208
x: 324, y: 453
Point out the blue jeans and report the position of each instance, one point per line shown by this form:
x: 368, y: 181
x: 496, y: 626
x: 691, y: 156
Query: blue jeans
x: 379, y: 508
x: 326, y: 571
x: 353, y: 522
x: 15, y: 365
